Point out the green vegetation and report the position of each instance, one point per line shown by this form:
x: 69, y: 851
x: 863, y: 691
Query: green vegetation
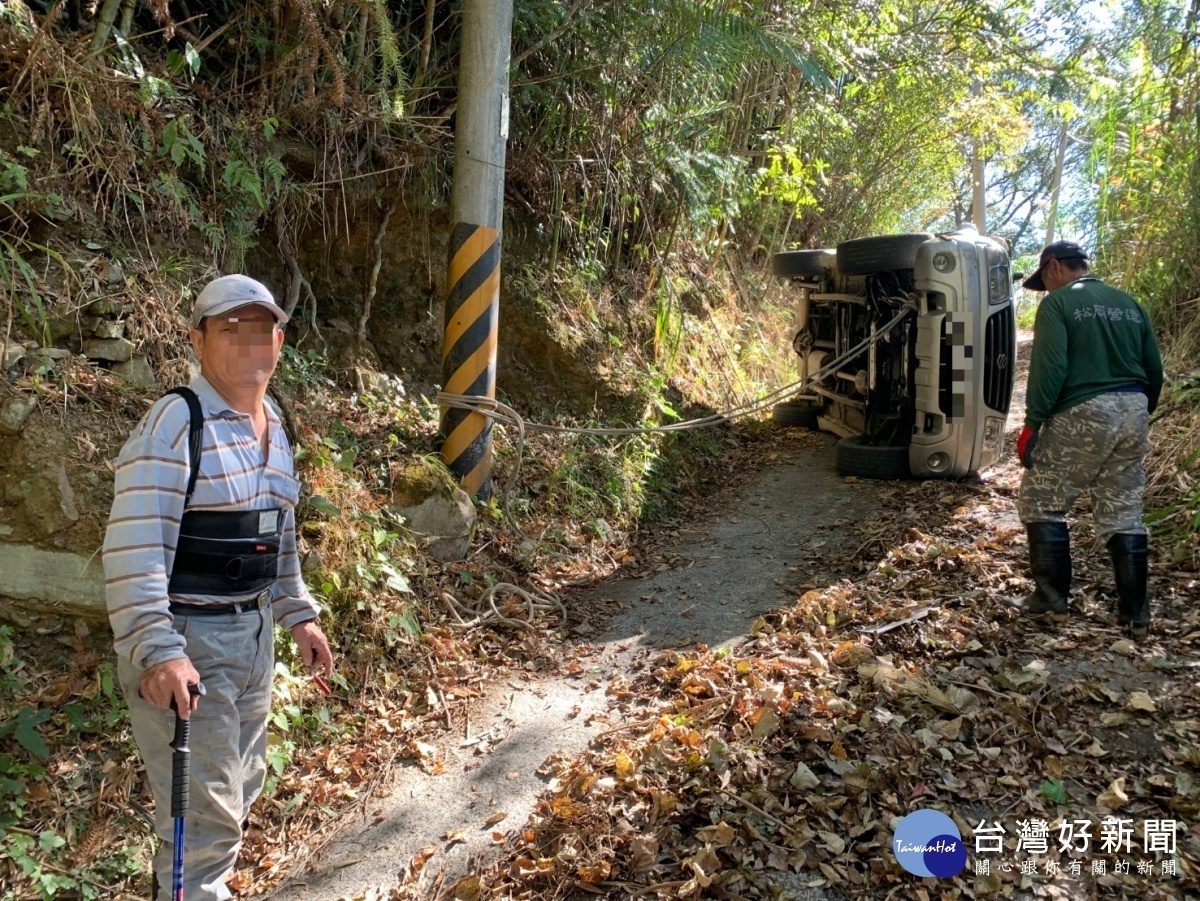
x: 660, y: 150
x: 58, y: 854
x: 1145, y: 168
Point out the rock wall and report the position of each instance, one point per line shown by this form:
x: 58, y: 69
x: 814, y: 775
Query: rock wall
x: 72, y: 386
x: 55, y: 490
x: 41, y: 587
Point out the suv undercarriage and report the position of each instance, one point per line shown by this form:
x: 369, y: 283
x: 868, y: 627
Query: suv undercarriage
x: 928, y: 393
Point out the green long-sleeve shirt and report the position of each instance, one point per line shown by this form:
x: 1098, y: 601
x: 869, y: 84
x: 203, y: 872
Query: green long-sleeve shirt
x: 1089, y: 339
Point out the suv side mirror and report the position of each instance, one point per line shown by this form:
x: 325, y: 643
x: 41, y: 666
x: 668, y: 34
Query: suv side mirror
x: 1018, y: 277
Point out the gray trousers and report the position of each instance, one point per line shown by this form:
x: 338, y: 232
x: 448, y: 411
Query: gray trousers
x: 1097, y: 447
x: 235, y: 656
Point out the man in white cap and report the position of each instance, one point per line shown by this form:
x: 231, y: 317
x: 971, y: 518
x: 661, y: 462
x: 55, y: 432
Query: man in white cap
x: 200, y: 564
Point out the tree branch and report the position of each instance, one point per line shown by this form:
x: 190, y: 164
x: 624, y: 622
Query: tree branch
x: 552, y: 36
x: 426, y: 44
x: 378, y: 244
x: 296, y: 279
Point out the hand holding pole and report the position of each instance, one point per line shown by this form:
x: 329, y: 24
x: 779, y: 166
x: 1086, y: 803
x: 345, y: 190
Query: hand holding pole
x: 180, y: 774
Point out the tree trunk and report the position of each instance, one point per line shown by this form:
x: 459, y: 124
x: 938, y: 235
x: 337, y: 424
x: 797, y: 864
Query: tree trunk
x: 418, y: 79
x: 104, y: 24
x: 978, y: 180
x: 1179, y: 66
x: 127, y: 9
x: 426, y: 43
x: 1058, y: 169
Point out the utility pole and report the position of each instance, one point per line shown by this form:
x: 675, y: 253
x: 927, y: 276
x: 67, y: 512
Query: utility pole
x: 477, y: 219
x: 978, y: 179
x: 1057, y: 187
x: 978, y: 213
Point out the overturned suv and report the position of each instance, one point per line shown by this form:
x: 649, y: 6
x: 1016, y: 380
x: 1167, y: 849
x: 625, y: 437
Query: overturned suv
x: 928, y: 396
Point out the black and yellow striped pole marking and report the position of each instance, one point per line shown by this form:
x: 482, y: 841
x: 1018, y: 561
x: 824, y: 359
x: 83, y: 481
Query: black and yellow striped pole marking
x: 477, y: 214
x: 469, y: 352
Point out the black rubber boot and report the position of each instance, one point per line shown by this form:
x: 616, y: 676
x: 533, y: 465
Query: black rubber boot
x: 1050, y: 562
x: 1130, y: 554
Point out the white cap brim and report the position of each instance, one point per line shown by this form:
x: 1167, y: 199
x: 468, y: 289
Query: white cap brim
x: 228, y: 306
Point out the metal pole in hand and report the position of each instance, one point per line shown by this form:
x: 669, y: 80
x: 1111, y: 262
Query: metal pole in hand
x: 181, y: 767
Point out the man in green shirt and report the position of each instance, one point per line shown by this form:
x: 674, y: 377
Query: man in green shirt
x: 1095, y: 375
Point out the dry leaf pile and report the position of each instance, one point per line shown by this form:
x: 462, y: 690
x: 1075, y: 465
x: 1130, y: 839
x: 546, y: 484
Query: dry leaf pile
x: 789, y: 761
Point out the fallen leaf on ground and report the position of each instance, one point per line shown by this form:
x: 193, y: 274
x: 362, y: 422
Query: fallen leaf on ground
x: 1140, y: 700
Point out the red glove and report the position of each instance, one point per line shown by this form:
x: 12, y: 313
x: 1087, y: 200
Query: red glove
x: 1025, y: 445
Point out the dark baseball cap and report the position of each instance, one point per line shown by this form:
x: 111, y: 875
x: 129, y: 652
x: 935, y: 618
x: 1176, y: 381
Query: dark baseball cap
x: 1059, y: 250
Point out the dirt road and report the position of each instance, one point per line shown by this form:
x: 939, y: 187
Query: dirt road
x: 706, y: 585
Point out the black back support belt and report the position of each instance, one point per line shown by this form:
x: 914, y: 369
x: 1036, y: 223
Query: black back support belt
x: 226, y: 553
x: 222, y: 552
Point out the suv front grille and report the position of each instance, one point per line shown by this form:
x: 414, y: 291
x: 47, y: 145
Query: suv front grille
x: 945, y: 378
x: 999, y: 360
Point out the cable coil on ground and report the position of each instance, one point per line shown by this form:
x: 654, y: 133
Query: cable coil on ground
x: 535, y: 602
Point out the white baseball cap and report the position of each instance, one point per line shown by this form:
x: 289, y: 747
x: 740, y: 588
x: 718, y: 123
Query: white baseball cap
x: 229, y: 292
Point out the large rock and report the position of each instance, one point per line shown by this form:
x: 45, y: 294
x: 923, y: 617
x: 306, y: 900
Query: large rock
x: 106, y: 307
x: 117, y: 350
x: 62, y: 327
x: 47, y: 500
x: 109, y: 328
x: 13, y: 353
x: 137, y: 372
x: 15, y: 412
x: 114, y: 275
x: 437, y: 512
x: 49, y: 582
x: 44, y: 360
x: 50, y: 353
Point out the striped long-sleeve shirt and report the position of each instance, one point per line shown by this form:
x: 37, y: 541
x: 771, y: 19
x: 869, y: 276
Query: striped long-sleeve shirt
x: 148, y: 504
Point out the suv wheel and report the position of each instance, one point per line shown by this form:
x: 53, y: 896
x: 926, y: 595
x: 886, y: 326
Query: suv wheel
x: 865, y: 256
x: 855, y: 457
x: 799, y: 413
x: 799, y: 263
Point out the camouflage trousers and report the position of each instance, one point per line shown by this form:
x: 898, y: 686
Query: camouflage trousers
x: 1097, y: 447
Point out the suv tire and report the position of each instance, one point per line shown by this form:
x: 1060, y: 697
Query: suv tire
x: 865, y: 256
x: 855, y: 457
x: 797, y: 413
x: 799, y: 263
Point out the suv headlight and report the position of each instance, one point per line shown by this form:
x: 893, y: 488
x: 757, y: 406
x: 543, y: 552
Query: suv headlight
x: 938, y: 462
x: 993, y: 440
x: 943, y: 262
